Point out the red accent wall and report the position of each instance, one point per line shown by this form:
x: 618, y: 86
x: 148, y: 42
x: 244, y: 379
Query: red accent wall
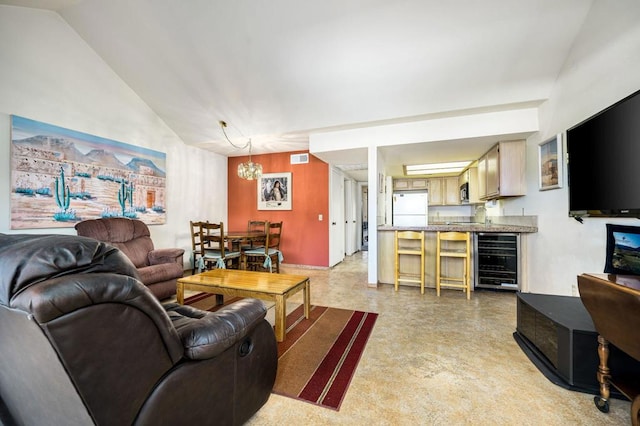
x: 305, y: 239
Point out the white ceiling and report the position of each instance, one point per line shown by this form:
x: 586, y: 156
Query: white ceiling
x: 277, y: 71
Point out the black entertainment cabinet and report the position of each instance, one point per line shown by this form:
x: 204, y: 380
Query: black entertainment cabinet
x: 558, y: 336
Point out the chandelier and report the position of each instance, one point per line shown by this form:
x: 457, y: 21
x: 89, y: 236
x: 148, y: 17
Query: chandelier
x: 247, y: 170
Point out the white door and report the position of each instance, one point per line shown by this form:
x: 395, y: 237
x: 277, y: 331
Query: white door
x: 336, y: 217
x: 350, y: 217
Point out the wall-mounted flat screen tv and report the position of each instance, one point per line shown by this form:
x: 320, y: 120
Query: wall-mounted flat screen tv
x: 604, y: 162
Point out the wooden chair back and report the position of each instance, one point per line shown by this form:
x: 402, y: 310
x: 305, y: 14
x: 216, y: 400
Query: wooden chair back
x: 212, y: 237
x: 196, y: 243
x: 257, y: 225
x: 274, y: 234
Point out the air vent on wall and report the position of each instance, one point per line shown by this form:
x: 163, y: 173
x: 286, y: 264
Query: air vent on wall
x: 299, y: 158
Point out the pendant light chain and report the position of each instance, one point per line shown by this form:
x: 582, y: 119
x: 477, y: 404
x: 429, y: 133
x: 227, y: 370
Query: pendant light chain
x: 248, y: 170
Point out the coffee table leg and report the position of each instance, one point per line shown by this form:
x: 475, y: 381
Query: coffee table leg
x: 280, y: 318
x: 180, y: 293
x: 306, y: 293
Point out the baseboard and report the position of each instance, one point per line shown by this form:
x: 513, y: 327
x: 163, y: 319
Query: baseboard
x: 291, y: 265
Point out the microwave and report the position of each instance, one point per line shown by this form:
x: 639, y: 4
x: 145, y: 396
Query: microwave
x: 464, y: 192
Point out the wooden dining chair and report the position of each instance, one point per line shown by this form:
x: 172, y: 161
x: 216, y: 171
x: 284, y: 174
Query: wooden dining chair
x: 265, y: 257
x: 214, y: 252
x: 252, y: 226
x: 196, y: 244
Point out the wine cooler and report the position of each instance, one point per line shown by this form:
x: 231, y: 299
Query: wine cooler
x: 497, y: 261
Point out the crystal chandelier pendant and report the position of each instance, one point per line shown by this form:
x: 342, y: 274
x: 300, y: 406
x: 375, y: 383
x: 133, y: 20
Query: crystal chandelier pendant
x: 249, y: 170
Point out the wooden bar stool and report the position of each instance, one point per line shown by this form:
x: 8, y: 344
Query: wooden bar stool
x: 409, y: 243
x: 457, y: 246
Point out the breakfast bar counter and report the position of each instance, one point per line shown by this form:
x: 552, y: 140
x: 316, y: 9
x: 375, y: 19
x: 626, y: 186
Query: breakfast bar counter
x: 386, y: 241
x: 463, y: 227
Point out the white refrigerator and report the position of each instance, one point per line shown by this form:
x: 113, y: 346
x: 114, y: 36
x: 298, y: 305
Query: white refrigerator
x: 410, y: 208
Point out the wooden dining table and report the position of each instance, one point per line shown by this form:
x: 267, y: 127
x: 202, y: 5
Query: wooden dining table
x: 245, y: 235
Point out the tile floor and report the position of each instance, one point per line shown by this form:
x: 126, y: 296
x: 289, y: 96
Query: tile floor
x: 435, y: 361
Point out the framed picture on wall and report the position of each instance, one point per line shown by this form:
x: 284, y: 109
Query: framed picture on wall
x: 550, y: 163
x: 275, y: 191
x: 60, y: 176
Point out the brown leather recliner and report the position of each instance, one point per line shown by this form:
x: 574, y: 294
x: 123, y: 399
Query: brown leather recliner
x: 84, y: 342
x: 158, y: 269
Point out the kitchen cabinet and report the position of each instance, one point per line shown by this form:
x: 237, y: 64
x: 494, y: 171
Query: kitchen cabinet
x: 501, y: 171
x: 482, y: 178
x: 444, y: 191
x: 436, y: 195
x: 410, y: 184
x: 470, y: 176
x: 451, y: 191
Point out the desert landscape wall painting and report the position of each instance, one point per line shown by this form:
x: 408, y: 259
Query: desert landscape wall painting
x: 60, y: 177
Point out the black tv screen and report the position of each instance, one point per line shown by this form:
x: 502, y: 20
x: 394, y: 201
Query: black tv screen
x: 604, y: 162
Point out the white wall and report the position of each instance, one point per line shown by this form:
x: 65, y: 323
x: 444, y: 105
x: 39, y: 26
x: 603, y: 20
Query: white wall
x: 601, y: 69
x: 49, y: 74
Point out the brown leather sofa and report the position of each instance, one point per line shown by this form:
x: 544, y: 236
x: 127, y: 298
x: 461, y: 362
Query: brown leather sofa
x: 83, y: 341
x: 158, y: 269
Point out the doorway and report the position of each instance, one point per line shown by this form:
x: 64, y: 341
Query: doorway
x: 336, y: 217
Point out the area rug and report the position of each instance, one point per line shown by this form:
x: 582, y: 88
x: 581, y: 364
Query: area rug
x: 319, y: 355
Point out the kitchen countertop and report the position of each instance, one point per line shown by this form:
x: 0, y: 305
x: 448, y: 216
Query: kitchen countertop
x: 463, y: 227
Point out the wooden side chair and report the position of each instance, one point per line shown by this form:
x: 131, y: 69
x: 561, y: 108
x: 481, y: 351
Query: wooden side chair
x: 196, y: 244
x: 265, y: 257
x: 252, y: 226
x: 457, y: 246
x: 214, y: 248
x: 409, y: 243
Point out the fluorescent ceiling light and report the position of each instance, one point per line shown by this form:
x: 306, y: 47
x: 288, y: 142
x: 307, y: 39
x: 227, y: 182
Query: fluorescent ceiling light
x: 435, y: 168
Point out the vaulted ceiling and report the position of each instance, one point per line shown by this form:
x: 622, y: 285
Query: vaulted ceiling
x: 277, y: 71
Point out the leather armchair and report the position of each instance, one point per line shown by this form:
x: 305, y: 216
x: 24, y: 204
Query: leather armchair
x: 158, y: 269
x: 84, y: 342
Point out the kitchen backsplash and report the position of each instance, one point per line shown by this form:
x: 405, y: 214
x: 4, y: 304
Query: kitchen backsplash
x: 480, y: 218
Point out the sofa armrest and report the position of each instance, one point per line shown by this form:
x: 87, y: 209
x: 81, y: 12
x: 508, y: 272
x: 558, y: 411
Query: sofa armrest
x: 165, y: 255
x: 206, y: 334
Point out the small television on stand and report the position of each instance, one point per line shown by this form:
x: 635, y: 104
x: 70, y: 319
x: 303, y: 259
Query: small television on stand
x: 604, y: 162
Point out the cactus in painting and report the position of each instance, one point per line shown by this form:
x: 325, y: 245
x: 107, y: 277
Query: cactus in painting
x: 63, y: 200
x: 63, y: 195
x: 131, y: 196
x: 123, y: 196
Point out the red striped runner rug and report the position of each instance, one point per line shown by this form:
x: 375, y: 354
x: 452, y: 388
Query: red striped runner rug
x: 319, y: 355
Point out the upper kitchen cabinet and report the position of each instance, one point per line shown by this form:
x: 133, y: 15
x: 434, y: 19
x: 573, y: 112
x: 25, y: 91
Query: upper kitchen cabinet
x: 410, y: 184
x: 501, y: 171
x: 444, y: 191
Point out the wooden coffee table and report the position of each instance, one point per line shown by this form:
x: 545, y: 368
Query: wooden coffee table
x: 261, y: 285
